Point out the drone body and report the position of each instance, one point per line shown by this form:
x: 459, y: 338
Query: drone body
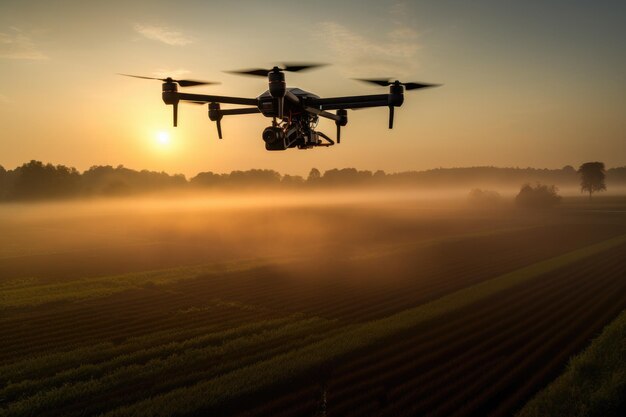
x: 294, y: 112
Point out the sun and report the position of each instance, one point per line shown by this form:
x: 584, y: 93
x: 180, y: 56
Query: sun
x: 163, y: 137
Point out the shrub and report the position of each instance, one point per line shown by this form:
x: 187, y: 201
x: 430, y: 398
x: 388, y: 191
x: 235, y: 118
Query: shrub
x: 539, y: 196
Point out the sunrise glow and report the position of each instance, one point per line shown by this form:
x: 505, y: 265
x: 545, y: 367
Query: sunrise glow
x: 163, y: 138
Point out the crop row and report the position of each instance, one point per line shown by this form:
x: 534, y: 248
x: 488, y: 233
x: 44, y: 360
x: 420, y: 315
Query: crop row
x: 475, y: 381
x: 88, y: 327
x: 405, y: 361
x: 343, y: 299
x: 226, y: 388
x: 106, y: 356
x: 34, y: 295
x: 71, y: 326
x: 379, y: 293
x: 459, y: 377
x: 68, y: 338
x: 143, y: 311
x: 423, y: 373
x: 593, y: 383
x: 211, y: 360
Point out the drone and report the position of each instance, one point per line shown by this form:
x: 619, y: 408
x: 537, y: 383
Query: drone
x: 294, y: 112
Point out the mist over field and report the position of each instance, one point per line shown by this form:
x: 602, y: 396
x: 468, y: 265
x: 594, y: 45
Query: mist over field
x: 184, y: 293
x: 216, y: 226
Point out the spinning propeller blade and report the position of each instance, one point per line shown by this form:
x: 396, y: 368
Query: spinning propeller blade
x: 300, y: 67
x: 182, y: 83
x: 387, y: 82
x: 261, y: 72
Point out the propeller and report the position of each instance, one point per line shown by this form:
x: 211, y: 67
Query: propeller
x: 395, y: 89
x: 386, y: 83
x: 182, y: 83
x: 170, y: 87
x: 293, y: 67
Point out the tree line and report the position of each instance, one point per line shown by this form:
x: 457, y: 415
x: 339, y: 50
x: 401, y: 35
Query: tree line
x: 36, y: 180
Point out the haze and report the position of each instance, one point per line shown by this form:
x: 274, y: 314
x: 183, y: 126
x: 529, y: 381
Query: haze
x: 526, y: 83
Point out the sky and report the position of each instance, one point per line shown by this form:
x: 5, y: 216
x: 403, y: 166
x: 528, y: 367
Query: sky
x: 525, y: 83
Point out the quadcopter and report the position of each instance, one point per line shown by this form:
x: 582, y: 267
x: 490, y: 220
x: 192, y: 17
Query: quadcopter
x: 294, y: 112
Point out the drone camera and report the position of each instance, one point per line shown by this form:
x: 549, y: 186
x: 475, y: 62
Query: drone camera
x: 274, y: 139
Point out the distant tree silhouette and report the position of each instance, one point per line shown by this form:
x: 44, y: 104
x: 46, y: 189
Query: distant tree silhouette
x: 314, y: 175
x: 209, y: 179
x: 539, y: 196
x: 35, y: 180
x: 124, y: 181
x: 254, y: 177
x: 3, y: 182
x: 346, y: 176
x: 592, y: 175
x: 292, y: 180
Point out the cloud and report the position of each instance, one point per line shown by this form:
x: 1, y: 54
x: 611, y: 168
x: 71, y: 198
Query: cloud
x: 163, y: 34
x: 395, y: 54
x: 17, y: 45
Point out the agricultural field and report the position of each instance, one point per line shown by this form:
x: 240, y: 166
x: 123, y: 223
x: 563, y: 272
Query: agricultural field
x: 300, y: 307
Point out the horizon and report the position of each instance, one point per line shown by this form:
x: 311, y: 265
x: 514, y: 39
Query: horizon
x: 306, y: 172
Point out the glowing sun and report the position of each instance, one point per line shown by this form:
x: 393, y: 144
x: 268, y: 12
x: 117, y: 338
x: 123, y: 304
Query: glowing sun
x: 163, y: 137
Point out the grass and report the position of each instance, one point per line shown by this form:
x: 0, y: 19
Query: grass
x: 594, y: 383
x: 177, y: 360
x: 50, y: 364
x: 280, y: 369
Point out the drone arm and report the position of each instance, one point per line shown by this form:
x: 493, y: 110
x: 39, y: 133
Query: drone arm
x: 217, y: 99
x: 323, y: 113
x: 233, y: 112
x: 216, y: 114
x: 349, y: 102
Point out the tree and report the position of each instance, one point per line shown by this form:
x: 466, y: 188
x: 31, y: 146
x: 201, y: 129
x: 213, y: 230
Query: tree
x: 592, y: 176
x: 34, y: 180
x: 539, y: 196
x: 314, y: 175
x: 292, y: 180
